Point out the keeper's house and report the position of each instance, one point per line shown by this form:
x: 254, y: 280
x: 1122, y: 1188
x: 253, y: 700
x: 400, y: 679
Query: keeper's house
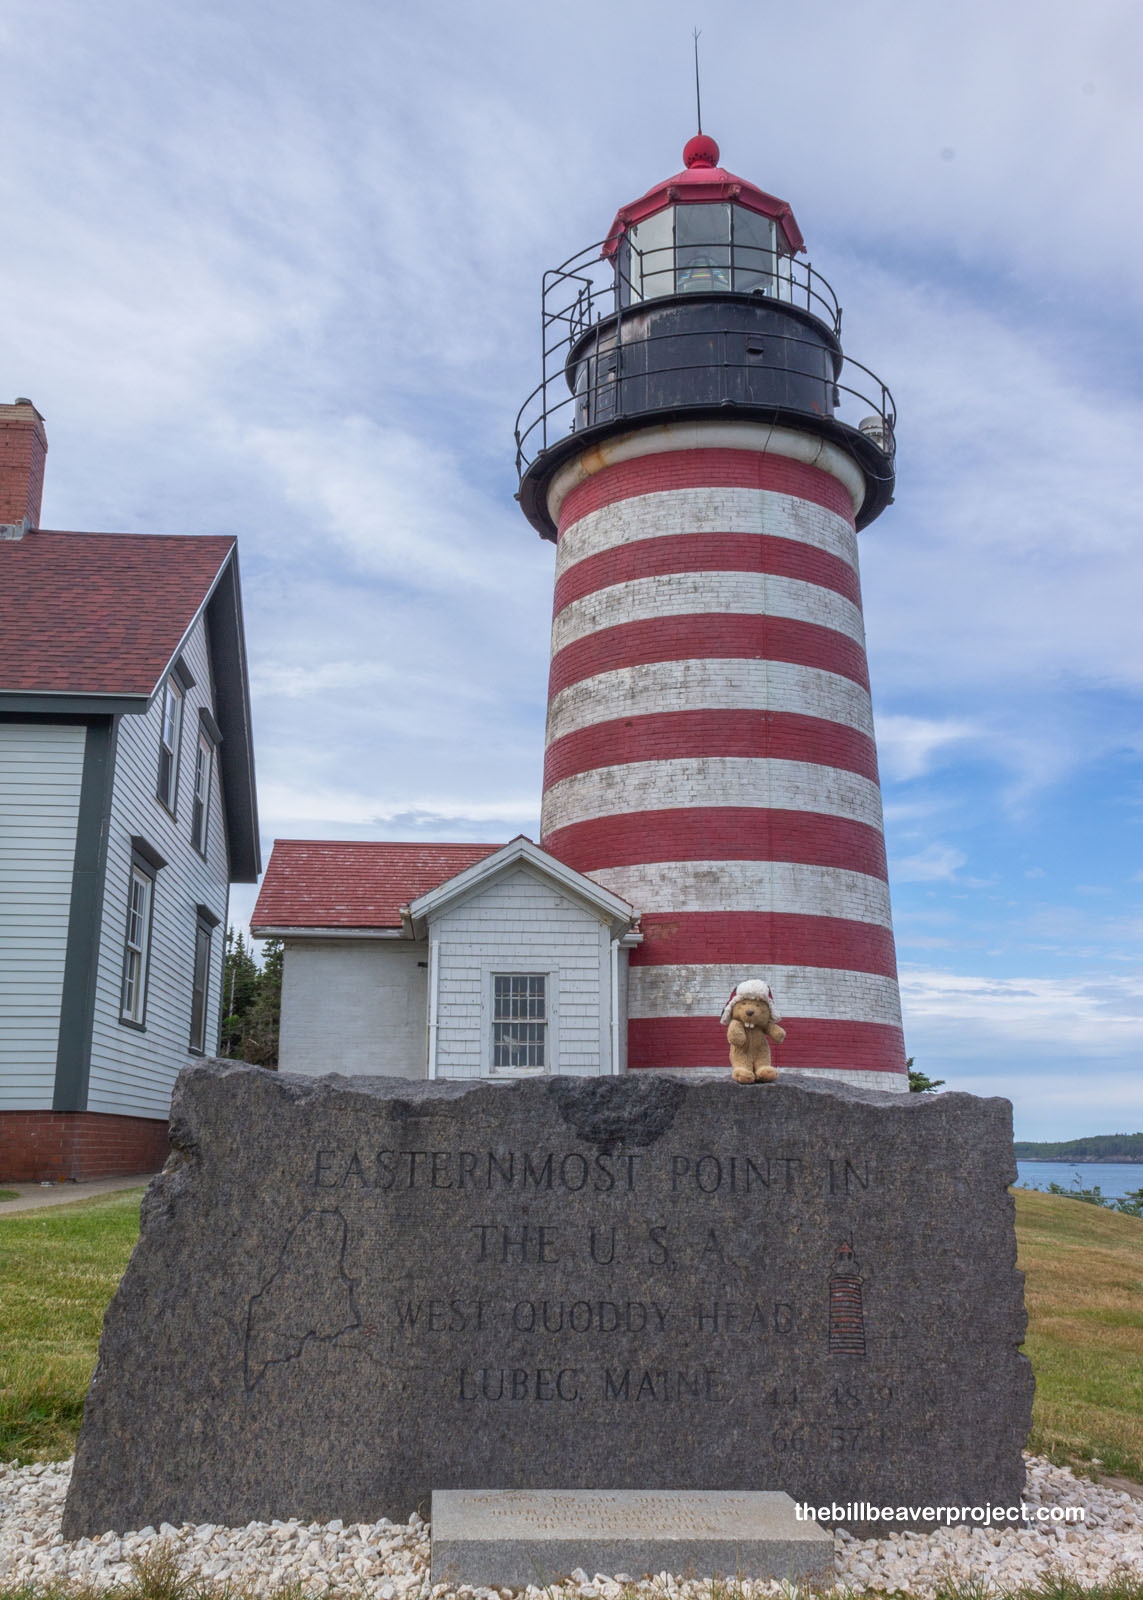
x: 445, y: 960
x: 127, y: 808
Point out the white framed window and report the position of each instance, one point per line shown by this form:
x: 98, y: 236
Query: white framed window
x: 169, y: 736
x: 146, y: 864
x: 205, y: 924
x: 199, y: 986
x: 203, y: 773
x: 136, y: 956
x: 520, y: 1033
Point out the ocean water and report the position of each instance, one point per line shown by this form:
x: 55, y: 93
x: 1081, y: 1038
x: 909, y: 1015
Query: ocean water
x: 1113, y: 1178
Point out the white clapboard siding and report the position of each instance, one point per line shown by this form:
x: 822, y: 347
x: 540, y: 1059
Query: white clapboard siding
x: 41, y: 771
x: 522, y: 923
x: 133, y: 1072
x: 354, y: 1006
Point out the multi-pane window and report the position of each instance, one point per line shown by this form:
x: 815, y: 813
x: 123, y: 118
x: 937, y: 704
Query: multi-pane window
x: 203, y: 764
x: 519, y: 1021
x: 169, y: 743
x: 701, y: 248
x: 199, y: 986
x: 138, y: 940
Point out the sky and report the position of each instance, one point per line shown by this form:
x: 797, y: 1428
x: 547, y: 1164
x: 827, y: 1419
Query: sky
x: 274, y: 269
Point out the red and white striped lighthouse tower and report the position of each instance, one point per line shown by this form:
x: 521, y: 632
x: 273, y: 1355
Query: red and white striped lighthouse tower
x: 703, y: 454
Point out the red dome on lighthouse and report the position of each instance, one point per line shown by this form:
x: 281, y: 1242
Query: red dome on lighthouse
x: 703, y: 182
x: 701, y: 151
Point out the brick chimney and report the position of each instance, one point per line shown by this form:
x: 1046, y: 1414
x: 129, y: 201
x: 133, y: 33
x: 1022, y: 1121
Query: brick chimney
x: 23, y: 447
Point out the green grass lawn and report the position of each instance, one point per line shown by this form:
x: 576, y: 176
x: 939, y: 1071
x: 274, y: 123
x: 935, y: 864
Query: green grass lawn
x: 59, y: 1267
x: 1084, y: 1293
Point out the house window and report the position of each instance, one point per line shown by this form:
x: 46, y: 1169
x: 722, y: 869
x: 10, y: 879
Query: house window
x: 138, y: 946
x: 199, y: 986
x: 169, y: 743
x: 200, y: 815
x: 519, y: 1021
x: 146, y: 862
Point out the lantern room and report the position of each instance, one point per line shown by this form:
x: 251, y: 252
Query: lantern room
x: 703, y: 231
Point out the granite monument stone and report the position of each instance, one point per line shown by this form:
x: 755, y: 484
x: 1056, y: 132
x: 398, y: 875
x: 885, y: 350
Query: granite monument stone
x: 349, y: 1292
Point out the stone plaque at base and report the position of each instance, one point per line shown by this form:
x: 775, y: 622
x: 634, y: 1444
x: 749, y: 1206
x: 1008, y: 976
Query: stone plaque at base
x: 522, y: 1536
x: 349, y: 1292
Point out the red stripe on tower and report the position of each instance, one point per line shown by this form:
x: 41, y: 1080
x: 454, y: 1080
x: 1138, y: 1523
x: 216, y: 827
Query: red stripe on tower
x: 708, y: 638
x: 685, y: 938
x: 777, y: 735
x: 712, y: 468
x: 840, y: 1047
x: 718, y: 833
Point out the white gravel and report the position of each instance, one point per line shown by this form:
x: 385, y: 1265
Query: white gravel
x: 388, y: 1561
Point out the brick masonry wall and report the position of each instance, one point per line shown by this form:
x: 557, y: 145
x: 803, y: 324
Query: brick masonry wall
x: 707, y: 469
x: 52, y: 1145
x: 731, y: 636
x: 729, y: 833
x: 656, y: 688
x: 695, y: 552
x: 774, y: 735
x: 713, y: 780
x: 23, y: 447
x: 710, y: 750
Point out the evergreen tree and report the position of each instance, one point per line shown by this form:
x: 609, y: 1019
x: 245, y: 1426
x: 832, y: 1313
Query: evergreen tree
x: 260, y: 1040
x: 252, y: 1001
x: 919, y: 1083
x: 239, y: 989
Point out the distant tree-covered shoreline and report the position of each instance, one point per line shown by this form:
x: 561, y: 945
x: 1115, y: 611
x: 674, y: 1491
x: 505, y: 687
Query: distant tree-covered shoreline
x: 1097, y: 1147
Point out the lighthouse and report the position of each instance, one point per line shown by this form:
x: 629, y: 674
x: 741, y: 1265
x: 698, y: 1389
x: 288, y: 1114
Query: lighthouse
x: 703, y: 454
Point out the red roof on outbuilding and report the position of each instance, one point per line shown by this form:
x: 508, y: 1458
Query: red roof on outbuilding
x: 318, y: 883
x: 99, y: 613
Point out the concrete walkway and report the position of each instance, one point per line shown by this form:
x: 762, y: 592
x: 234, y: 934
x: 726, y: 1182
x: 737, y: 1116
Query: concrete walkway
x: 33, y: 1195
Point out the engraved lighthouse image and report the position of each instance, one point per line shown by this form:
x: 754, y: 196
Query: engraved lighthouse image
x: 703, y: 454
x: 846, y: 1315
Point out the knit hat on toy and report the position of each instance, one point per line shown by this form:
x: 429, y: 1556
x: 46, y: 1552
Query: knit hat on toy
x: 750, y: 989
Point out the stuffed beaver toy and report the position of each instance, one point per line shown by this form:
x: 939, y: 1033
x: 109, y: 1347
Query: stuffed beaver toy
x: 751, y: 1021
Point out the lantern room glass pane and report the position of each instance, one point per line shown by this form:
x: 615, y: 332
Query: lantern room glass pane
x: 754, y: 251
x: 702, y: 248
x: 649, y: 260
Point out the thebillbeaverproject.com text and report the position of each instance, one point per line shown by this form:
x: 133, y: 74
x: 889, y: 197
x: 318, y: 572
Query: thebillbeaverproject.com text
x: 950, y: 1516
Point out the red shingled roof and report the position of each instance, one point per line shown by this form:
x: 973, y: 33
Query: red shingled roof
x: 318, y: 883
x: 99, y: 613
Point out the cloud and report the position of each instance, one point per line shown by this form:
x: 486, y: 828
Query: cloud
x: 910, y: 747
x: 300, y: 806
x: 965, y: 1015
x: 393, y: 504
x: 1047, y: 1105
x: 933, y: 864
x: 1017, y: 465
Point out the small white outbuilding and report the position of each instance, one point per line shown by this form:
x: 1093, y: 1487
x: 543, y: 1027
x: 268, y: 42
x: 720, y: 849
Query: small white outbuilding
x: 445, y: 961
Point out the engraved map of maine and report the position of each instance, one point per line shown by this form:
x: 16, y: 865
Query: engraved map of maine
x: 357, y: 1291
